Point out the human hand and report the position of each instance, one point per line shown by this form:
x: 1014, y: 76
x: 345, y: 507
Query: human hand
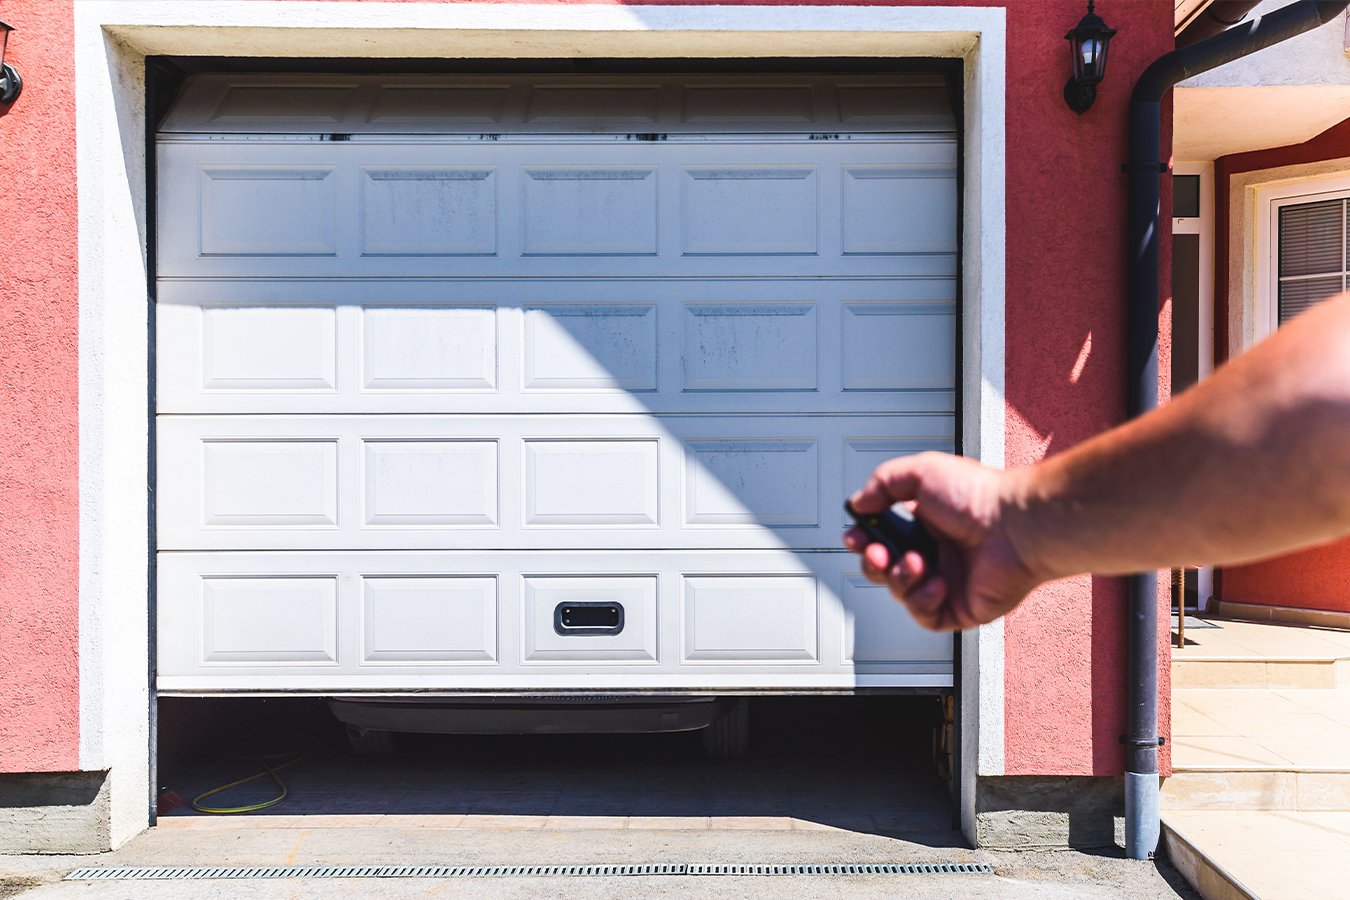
x: 980, y: 575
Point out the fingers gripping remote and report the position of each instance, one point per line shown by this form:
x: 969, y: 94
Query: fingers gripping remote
x: 897, y: 534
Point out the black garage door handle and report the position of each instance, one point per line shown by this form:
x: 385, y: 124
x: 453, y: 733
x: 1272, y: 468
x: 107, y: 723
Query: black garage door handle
x: 588, y: 617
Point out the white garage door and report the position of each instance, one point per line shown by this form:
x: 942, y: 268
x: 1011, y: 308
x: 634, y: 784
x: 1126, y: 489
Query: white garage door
x: 568, y: 405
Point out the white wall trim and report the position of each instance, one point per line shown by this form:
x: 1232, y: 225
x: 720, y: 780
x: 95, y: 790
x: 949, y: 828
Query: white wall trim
x: 1269, y: 199
x: 112, y: 39
x: 1249, y: 198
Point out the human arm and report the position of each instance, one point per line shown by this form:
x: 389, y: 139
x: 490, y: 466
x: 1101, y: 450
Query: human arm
x: 1251, y: 462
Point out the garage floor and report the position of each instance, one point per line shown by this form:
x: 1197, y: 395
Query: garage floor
x: 858, y: 764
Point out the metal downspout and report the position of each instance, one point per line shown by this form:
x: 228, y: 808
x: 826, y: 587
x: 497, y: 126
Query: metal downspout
x: 1145, y: 168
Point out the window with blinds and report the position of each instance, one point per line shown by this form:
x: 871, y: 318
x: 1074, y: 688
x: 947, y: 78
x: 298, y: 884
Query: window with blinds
x: 1314, y: 254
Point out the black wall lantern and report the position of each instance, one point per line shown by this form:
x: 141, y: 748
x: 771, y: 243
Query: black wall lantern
x: 1089, y: 42
x: 10, y: 82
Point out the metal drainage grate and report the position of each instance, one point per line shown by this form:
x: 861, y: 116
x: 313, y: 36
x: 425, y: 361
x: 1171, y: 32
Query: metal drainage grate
x: 123, y: 873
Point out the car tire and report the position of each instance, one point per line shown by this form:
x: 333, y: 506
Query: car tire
x: 368, y: 742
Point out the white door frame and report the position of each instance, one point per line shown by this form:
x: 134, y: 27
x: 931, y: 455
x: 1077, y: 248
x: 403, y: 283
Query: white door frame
x: 112, y: 39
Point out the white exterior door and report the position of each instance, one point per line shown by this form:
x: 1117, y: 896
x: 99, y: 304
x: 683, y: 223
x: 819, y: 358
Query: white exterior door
x: 421, y: 387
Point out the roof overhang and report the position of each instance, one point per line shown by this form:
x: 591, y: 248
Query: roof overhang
x: 1209, y: 122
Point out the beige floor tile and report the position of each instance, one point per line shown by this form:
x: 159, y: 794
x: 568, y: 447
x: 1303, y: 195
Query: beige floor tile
x: 1336, y: 822
x: 1291, y: 874
x: 1334, y: 704
x: 1258, y: 712
x: 668, y: 823
x: 1230, y: 752
x: 585, y: 823
x: 503, y: 822
x: 1286, y: 642
x: 1234, y: 831
x: 1187, y: 721
x: 1310, y: 752
x: 1203, y: 644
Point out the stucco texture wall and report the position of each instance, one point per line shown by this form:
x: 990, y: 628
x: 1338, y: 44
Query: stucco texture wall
x: 39, y: 449
x: 1065, y: 652
x: 1318, y: 578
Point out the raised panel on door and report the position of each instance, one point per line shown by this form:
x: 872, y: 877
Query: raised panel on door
x: 584, y: 482
x: 457, y: 620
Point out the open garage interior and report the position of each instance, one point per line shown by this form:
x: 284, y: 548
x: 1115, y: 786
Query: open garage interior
x: 873, y: 765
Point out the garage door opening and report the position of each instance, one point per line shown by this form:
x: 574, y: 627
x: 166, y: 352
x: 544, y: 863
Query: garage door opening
x: 863, y: 764
x: 525, y: 383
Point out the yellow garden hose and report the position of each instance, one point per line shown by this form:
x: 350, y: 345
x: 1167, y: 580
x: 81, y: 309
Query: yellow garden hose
x: 292, y: 757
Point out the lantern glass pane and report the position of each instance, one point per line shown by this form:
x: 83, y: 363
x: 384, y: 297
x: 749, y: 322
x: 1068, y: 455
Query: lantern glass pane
x: 1101, y: 59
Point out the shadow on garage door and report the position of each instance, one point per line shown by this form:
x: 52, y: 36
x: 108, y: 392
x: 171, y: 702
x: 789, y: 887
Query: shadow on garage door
x: 863, y: 764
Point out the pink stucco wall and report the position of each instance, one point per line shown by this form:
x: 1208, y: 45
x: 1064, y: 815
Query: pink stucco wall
x: 1065, y: 650
x: 39, y: 452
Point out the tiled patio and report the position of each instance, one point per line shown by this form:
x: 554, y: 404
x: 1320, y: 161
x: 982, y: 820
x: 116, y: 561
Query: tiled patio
x: 1261, y: 757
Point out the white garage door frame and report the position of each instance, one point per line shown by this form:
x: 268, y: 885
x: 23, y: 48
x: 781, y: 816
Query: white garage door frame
x: 113, y: 37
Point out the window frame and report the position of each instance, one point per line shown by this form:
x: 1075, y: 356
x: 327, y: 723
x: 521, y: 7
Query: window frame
x: 1269, y: 202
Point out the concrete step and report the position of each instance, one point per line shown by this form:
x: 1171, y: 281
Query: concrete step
x: 1237, y: 672
x: 1229, y: 654
x: 1273, y: 855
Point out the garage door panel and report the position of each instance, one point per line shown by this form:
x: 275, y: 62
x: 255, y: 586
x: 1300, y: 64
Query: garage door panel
x: 898, y: 346
x: 461, y: 620
x: 598, y: 207
x: 430, y: 482
x: 265, y: 211
x: 586, y: 347
x: 608, y: 211
x: 428, y: 348
x: 269, y: 483
x: 290, y: 348
x: 923, y: 197
x: 428, y: 621
x: 614, y: 346
x: 554, y: 382
x: 428, y: 211
x: 749, y: 482
x: 750, y: 347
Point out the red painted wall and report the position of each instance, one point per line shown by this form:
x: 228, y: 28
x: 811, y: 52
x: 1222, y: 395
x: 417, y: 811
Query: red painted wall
x: 39, y: 451
x: 1310, y: 579
x: 1065, y: 364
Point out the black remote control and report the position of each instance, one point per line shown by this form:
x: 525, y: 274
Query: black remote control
x: 897, y: 534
